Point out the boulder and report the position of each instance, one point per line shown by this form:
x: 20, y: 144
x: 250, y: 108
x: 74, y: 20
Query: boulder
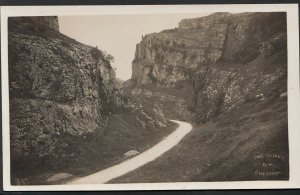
x: 130, y: 153
x: 59, y: 177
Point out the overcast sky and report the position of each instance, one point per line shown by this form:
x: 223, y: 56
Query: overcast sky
x: 118, y: 34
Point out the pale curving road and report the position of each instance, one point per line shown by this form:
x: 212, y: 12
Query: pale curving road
x: 145, y: 157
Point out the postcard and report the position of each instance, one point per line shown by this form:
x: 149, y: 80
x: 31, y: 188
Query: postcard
x: 157, y: 97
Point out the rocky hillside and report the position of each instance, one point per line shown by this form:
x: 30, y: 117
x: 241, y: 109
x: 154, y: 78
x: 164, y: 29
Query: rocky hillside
x: 63, y: 97
x: 225, y: 59
x: 59, y: 77
x: 230, y: 72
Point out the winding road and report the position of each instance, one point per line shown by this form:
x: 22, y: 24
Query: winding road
x: 145, y: 157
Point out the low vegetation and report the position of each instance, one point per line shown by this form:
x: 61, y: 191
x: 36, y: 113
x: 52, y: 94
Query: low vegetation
x: 231, y: 147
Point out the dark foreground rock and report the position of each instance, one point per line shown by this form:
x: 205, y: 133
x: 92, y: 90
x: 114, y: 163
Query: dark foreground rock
x: 58, y: 87
x: 63, y: 95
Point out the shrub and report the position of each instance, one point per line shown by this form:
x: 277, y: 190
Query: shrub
x: 169, y: 69
x: 108, y: 57
x: 97, y: 54
x: 179, y: 85
x: 249, y: 98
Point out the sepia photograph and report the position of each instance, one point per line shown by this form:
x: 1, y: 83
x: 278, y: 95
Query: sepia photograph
x: 148, y: 98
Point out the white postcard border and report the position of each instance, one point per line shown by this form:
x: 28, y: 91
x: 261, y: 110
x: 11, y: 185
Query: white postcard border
x: 293, y: 90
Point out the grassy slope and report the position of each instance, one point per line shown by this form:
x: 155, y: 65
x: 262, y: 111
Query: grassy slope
x: 123, y: 133
x: 225, y: 148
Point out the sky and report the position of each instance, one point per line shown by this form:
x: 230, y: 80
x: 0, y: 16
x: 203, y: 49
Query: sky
x: 118, y: 34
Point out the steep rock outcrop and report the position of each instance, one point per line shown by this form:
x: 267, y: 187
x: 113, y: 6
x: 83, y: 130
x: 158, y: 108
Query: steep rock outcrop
x: 31, y: 24
x: 224, y: 57
x: 66, y: 105
x: 59, y: 89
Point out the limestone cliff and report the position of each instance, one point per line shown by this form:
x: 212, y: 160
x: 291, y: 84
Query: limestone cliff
x: 224, y: 57
x: 58, y: 87
x: 63, y: 96
x: 229, y: 73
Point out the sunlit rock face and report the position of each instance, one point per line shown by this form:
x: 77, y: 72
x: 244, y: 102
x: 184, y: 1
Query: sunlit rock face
x: 224, y: 56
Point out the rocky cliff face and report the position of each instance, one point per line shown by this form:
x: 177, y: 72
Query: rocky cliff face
x: 66, y: 104
x: 226, y: 58
x: 59, y: 89
x: 227, y: 72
